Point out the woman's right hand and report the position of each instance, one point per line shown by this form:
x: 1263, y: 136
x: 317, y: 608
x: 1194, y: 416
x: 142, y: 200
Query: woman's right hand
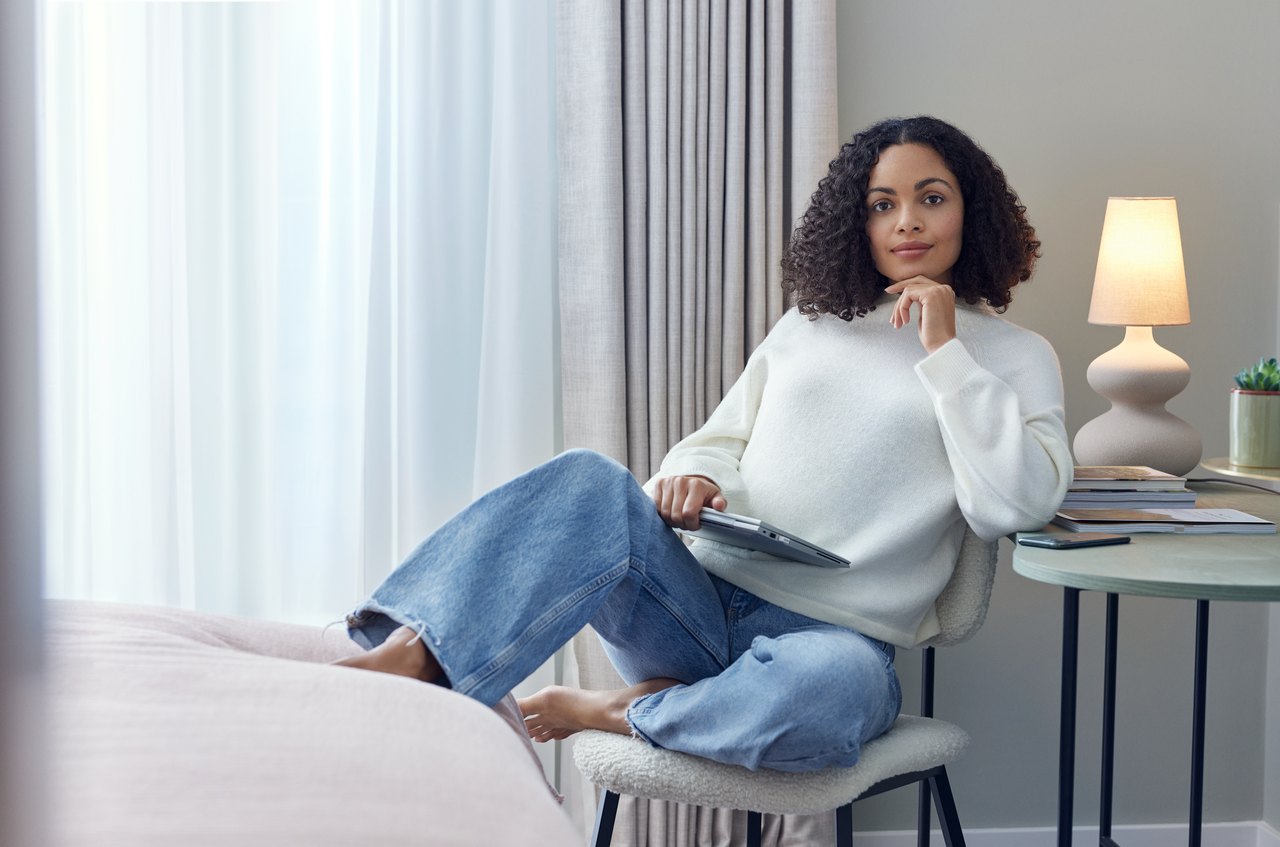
x: 680, y: 498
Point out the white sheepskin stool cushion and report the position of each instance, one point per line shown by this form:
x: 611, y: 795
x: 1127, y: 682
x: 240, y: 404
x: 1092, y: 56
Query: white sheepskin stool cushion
x: 627, y: 765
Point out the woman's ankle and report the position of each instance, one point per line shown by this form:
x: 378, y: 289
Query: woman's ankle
x: 403, y: 654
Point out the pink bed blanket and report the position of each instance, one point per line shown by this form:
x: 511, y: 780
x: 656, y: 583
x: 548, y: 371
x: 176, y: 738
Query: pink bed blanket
x: 170, y: 727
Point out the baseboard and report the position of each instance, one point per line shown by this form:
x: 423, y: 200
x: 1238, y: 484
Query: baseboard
x: 1244, y: 834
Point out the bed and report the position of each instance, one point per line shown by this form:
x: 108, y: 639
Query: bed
x: 170, y: 727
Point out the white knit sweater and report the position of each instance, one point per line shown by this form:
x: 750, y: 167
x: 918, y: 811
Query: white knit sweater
x: 849, y: 435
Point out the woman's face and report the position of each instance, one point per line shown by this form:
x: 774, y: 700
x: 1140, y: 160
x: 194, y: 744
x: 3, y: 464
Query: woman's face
x: 915, y: 214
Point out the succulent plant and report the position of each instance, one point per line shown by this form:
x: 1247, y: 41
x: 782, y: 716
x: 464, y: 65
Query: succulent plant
x: 1264, y: 376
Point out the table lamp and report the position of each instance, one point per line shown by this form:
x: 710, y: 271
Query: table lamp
x: 1140, y: 283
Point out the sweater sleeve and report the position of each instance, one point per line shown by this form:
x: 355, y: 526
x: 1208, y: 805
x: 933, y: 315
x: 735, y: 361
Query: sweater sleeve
x: 1006, y: 440
x: 715, y: 450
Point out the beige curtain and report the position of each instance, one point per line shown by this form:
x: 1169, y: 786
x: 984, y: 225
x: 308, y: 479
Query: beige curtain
x: 690, y: 137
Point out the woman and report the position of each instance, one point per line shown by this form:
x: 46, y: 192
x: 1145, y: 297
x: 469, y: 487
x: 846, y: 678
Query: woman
x: 866, y: 438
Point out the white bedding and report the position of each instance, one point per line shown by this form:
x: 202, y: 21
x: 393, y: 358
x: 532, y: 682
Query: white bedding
x: 176, y: 728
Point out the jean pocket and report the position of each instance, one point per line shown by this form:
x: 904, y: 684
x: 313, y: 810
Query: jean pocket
x: 744, y: 605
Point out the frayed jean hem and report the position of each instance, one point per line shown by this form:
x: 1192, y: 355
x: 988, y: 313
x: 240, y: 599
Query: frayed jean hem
x: 365, y: 629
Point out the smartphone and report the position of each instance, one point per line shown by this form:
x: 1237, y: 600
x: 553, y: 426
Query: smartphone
x: 1074, y: 539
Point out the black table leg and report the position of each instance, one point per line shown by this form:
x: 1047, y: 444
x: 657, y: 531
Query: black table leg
x: 1108, y: 721
x: 1067, y: 723
x: 1197, y: 722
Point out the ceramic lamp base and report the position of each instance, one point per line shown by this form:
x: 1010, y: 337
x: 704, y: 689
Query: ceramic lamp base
x: 1139, y: 377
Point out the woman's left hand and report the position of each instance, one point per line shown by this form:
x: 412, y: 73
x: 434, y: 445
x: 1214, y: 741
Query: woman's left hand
x: 937, y: 309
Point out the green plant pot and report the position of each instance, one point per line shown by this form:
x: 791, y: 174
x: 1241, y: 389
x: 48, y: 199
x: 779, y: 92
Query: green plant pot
x: 1255, y: 429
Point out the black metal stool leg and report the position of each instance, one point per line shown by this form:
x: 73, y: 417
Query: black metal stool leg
x: 923, y: 818
x: 926, y: 711
x: 606, y: 812
x: 844, y: 825
x: 948, y: 817
x: 754, y: 822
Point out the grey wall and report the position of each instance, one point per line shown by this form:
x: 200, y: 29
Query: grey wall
x: 21, y: 753
x: 1080, y: 101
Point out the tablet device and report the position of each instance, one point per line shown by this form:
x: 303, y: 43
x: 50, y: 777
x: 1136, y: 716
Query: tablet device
x: 754, y: 534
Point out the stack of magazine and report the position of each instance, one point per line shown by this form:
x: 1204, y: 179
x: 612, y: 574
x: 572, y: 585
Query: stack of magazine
x: 1121, y: 487
x: 1139, y: 499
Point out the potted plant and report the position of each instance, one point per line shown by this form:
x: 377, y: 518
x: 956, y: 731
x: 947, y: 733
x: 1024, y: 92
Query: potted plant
x: 1255, y: 417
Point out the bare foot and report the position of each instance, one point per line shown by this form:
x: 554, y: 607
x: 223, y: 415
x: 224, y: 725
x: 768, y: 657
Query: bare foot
x: 398, y: 656
x: 556, y: 712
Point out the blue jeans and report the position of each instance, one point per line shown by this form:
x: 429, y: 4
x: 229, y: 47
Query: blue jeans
x: 508, y: 580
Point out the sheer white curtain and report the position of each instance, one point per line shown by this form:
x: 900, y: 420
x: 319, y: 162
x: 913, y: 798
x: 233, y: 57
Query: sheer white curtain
x: 299, y: 290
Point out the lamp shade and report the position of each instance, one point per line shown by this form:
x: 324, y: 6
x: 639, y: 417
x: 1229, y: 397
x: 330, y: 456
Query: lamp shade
x: 1140, y: 280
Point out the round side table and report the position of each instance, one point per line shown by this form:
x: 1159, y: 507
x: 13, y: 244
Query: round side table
x: 1196, y: 567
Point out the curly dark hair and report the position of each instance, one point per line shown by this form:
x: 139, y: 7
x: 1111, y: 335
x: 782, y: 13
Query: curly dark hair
x: 828, y: 266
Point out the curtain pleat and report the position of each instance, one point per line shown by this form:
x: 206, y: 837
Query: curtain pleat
x: 691, y: 135
x: 636, y: 203
x: 757, y: 237
x: 812, y: 122
x: 688, y: 212
x: 717, y: 104
x: 670, y: 213
x: 700, y: 179
x: 172, y: 536
x: 733, y: 281
x: 691, y: 109
x: 775, y: 133
x: 601, y: 221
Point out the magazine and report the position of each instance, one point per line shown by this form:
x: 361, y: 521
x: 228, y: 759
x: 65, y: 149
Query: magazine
x: 1089, y: 499
x: 1195, y: 521
x: 1125, y: 478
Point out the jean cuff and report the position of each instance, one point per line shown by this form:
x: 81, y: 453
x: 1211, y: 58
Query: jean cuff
x: 367, y: 613
x: 636, y: 712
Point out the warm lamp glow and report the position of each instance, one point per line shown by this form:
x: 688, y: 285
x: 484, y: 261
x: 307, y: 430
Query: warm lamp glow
x: 1140, y: 283
x: 1140, y: 280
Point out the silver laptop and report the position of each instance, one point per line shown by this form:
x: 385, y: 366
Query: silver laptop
x: 755, y: 534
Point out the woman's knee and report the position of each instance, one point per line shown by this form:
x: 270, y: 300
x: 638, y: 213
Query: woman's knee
x: 818, y: 656
x: 589, y: 466
x: 843, y: 690
x: 582, y: 458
